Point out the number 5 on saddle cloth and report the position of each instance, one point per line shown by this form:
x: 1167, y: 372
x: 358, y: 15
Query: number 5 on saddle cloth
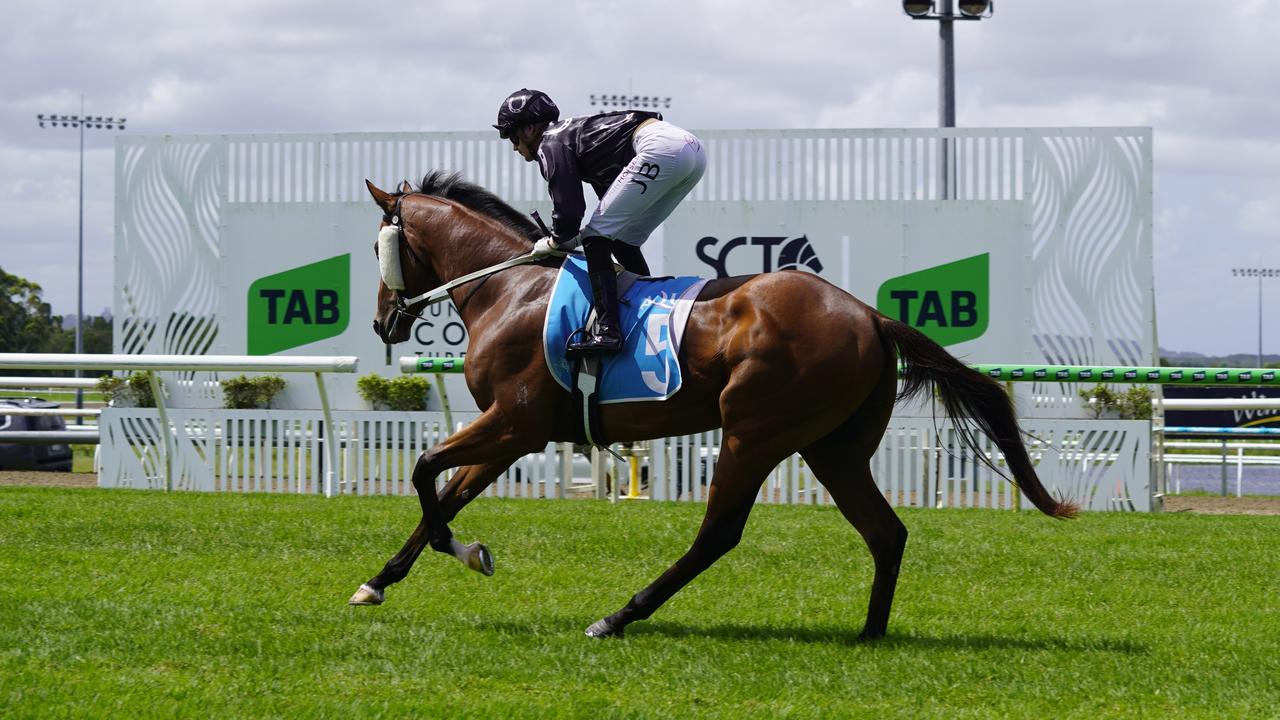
x: 652, y: 315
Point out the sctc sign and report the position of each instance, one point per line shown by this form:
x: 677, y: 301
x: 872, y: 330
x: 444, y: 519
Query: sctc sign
x: 796, y: 253
x: 949, y: 303
x: 299, y: 306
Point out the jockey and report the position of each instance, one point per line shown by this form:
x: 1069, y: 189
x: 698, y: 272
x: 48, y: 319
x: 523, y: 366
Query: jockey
x: 640, y: 167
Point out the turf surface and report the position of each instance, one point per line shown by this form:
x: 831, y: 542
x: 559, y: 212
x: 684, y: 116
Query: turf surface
x: 136, y: 604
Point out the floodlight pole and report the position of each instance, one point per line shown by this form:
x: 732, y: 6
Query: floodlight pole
x: 946, y: 91
x: 79, y: 122
x: 1258, y: 272
x: 80, y: 261
x: 944, y: 11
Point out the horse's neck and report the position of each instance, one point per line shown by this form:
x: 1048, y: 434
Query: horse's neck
x: 470, y: 250
x: 463, y: 242
x: 463, y: 248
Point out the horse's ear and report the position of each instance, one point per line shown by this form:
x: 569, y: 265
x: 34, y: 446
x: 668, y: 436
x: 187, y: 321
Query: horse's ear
x: 385, y: 200
x: 405, y: 187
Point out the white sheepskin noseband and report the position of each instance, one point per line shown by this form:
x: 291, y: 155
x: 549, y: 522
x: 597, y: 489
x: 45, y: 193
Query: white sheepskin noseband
x: 389, y: 257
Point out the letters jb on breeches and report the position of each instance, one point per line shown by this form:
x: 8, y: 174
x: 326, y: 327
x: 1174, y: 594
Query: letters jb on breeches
x: 668, y: 163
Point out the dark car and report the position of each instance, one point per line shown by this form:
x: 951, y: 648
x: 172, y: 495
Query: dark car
x: 43, y: 456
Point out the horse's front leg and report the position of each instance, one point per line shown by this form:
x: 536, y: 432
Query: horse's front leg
x: 476, y: 556
x: 474, y: 446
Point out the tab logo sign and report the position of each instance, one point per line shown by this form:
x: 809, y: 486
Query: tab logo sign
x: 299, y: 306
x: 949, y: 303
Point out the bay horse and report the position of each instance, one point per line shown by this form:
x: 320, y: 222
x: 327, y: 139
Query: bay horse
x: 783, y: 362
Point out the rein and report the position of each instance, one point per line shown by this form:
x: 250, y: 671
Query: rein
x: 442, y: 292
x: 435, y: 295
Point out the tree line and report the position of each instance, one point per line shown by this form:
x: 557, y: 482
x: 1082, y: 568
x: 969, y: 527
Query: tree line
x: 28, y: 325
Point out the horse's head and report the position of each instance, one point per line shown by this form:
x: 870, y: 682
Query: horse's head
x: 403, y: 271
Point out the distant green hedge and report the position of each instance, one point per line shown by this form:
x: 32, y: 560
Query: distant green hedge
x: 407, y: 392
x: 245, y: 393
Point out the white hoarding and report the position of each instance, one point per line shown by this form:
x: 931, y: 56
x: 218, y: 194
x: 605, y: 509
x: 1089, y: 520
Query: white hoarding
x: 264, y: 244
x: 858, y: 246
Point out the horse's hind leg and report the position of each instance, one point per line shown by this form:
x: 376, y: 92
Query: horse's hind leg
x: 738, y: 476
x: 862, y: 504
x: 841, y: 461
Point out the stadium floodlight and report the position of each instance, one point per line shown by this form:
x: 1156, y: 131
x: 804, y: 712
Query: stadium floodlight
x: 81, y: 122
x: 929, y: 10
x: 917, y: 8
x: 628, y: 102
x: 976, y: 8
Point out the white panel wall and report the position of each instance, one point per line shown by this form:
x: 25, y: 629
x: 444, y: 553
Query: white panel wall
x: 1068, y: 210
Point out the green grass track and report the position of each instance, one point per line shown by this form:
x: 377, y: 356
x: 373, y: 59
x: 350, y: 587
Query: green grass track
x: 142, y: 604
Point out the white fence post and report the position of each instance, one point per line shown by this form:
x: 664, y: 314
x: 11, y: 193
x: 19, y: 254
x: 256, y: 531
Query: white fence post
x: 330, y: 439
x: 166, y: 439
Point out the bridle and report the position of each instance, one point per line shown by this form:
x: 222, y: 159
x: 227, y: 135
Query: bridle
x: 435, y: 295
x: 393, y: 219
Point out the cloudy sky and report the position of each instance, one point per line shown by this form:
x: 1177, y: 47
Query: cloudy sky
x: 1203, y: 75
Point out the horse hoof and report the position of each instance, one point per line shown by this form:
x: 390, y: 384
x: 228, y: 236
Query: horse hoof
x: 479, y: 559
x: 367, y: 596
x: 602, y: 629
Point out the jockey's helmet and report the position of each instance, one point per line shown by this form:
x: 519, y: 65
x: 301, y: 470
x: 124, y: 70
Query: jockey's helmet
x: 525, y: 107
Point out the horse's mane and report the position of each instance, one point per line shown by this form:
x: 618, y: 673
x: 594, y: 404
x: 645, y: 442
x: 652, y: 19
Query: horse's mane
x: 451, y: 186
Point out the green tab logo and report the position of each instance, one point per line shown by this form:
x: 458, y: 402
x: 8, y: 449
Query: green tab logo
x: 949, y: 303
x: 299, y: 306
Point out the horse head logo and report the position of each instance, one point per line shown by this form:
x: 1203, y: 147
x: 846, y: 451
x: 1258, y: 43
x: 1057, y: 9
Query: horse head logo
x: 798, y: 253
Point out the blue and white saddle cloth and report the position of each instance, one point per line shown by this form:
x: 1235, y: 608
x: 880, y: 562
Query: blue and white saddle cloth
x: 652, y: 313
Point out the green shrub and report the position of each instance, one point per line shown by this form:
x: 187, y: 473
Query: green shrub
x: 373, y: 388
x: 407, y: 392
x: 1103, y: 398
x: 246, y: 393
x: 133, y: 390
x: 1133, y: 404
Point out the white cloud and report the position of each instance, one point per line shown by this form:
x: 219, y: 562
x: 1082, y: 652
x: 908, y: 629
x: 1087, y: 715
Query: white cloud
x: 1260, y: 218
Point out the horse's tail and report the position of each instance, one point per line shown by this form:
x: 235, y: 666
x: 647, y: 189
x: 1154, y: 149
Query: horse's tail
x: 970, y: 398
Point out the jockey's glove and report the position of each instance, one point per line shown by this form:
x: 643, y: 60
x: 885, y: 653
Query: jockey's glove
x: 546, y: 246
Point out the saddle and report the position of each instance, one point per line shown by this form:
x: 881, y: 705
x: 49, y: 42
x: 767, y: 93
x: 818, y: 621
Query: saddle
x: 652, y: 314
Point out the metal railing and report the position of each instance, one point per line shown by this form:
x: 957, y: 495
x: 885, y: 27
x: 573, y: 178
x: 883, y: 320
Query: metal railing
x: 317, y: 365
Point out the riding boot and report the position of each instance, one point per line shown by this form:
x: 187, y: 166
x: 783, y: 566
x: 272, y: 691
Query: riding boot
x: 605, y: 336
x: 630, y: 257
